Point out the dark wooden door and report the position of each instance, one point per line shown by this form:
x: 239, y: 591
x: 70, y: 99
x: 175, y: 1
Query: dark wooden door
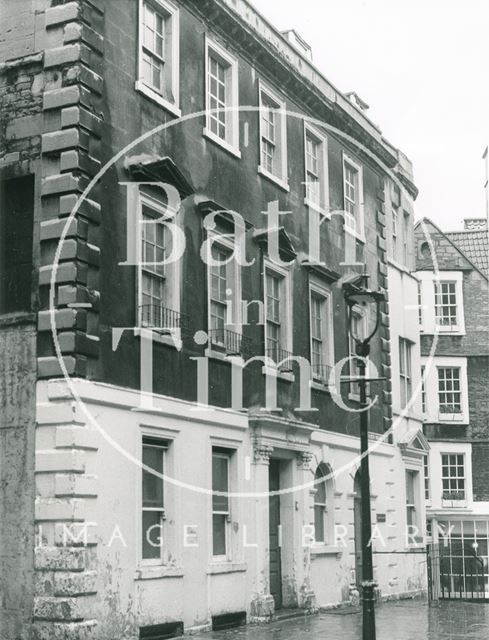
x: 274, y: 521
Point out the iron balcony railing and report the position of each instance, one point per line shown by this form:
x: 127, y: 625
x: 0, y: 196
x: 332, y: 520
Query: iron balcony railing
x: 279, y: 356
x: 158, y: 317
x: 230, y: 342
x: 321, y: 372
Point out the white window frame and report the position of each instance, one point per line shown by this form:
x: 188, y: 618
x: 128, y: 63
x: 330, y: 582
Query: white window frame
x: 323, y: 173
x: 354, y: 391
x: 427, y: 478
x: 429, y: 325
x: 423, y: 392
x: 405, y: 238
x: 233, y: 275
x: 439, y: 292
x: 327, y: 360
x: 419, y: 285
x: 462, y: 500
x: 450, y: 416
x: 279, y: 177
x: 327, y: 512
x: 359, y: 231
x: 287, y: 319
x: 173, y: 270
x: 405, y: 371
x: 231, y: 142
x: 416, y: 506
x: 433, y: 415
x: 395, y: 230
x: 171, y: 13
x: 227, y: 523
x: 164, y: 446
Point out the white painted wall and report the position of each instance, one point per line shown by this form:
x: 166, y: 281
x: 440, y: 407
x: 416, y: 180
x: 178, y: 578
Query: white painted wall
x: 190, y: 586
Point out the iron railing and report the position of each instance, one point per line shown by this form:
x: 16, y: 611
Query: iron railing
x: 230, y: 342
x: 321, y: 372
x: 158, y: 317
x: 279, y: 356
x: 456, y: 572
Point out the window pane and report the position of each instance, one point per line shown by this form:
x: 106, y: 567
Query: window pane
x: 319, y: 523
x: 218, y: 535
x: 152, y: 534
x: 220, y: 483
x: 320, y: 488
x: 152, y: 484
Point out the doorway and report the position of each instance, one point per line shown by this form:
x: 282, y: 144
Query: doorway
x: 275, y: 559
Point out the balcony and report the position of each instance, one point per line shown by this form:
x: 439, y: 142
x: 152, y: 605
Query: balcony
x: 230, y: 342
x: 152, y: 316
x: 321, y: 372
x: 280, y: 357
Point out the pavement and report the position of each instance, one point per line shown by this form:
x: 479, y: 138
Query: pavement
x: 405, y: 620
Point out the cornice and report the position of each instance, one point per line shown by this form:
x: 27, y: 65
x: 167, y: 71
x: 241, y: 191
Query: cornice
x: 270, y: 52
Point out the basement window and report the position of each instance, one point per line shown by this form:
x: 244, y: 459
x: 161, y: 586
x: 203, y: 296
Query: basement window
x: 228, y: 621
x: 161, y: 631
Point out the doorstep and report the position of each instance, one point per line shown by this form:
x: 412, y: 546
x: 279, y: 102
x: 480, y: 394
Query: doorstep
x: 288, y: 614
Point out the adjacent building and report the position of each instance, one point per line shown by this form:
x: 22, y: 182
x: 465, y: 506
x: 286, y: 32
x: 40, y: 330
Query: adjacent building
x: 452, y: 268
x: 169, y: 463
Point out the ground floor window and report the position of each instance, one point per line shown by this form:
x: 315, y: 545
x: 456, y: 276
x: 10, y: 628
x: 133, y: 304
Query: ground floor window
x: 464, y: 558
x: 220, y: 502
x: 153, y: 506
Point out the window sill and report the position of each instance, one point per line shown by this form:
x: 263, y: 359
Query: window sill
x: 454, y: 504
x: 282, y: 375
x: 155, y: 97
x: 326, y: 550
x: 319, y: 385
x: 449, y: 331
x: 155, y: 572
x: 321, y: 210
x: 17, y: 318
x: 223, y: 356
x: 452, y: 418
x: 207, y: 133
x: 163, y: 338
x: 280, y: 182
x: 217, y: 568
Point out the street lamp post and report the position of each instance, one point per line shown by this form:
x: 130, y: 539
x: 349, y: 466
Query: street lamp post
x: 361, y: 296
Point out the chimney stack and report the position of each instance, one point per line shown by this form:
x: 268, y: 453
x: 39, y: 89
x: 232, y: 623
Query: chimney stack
x: 475, y: 224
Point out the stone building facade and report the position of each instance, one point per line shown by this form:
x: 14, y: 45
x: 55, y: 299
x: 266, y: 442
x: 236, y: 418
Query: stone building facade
x: 453, y: 272
x: 129, y: 131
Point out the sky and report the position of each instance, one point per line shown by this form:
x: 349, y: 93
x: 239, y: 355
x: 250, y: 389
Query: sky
x: 423, y: 67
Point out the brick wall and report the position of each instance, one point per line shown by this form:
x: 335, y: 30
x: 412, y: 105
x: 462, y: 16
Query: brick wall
x: 480, y: 471
x: 478, y: 383
x: 21, y: 86
x: 474, y: 344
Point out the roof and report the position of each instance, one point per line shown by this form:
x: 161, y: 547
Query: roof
x: 474, y: 245
x: 465, y: 241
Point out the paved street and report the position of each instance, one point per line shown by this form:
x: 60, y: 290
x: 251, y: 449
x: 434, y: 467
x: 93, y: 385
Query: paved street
x: 409, y: 620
